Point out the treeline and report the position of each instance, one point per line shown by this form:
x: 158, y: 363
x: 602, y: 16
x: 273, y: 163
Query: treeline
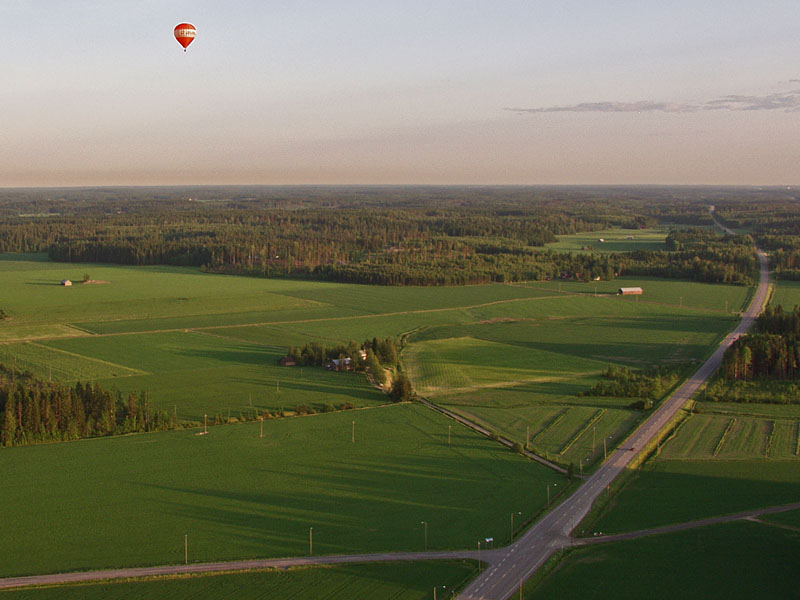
x: 37, y: 411
x: 700, y: 255
x: 387, y: 236
x: 771, y: 352
x: 650, y: 384
x: 385, y: 351
x: 775, y: 225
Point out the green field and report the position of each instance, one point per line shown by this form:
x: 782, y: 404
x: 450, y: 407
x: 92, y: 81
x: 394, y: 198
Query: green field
x: 615, y: 240
x: 207, y: 344
x: 129, y: 500
x: 661, y: 291
x: 787, y: 294
x: 517, y: 367
x: 716, y: 463
x: 399, y: 581
x: 202, y: 373
x: 732, y: 560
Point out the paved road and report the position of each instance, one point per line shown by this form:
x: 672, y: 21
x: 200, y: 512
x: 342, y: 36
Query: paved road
x: 240, y: 565
x: 532, y: 549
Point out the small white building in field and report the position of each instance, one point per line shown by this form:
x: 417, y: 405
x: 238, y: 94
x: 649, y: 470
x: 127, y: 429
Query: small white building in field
x: 630, y: 291
x: 66, y: 282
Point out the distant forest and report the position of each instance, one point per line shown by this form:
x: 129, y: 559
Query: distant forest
x: 401, y: 235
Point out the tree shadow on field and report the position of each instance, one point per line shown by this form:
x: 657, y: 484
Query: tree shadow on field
x: 320, y: 387
x: 634, y: 354
x: 374, y: 505
x: 243, y: 354
x: 689, y: 323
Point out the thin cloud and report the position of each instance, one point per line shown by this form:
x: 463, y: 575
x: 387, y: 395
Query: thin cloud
x: 785, y: 101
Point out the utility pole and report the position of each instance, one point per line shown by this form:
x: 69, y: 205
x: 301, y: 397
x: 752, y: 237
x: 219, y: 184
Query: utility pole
x: 425, y: 523
x: 310, y: 541
x: 353, y: 435
x: 205, y: 423
x: 605, y: 453
x: 594, y: 437
x: 186, y: 548
x: 449, y: 433
x: 548, y: 494
x: 527, y: 436
x: 581, y: 463
x: 262, y: 428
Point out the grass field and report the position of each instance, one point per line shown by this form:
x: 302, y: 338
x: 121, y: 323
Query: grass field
x: 399, y: 581
x: 514, y: 373
x: 731, y: 560
x: 787, y: 294
x: 127, y: 501
x: 199, y: 373
x: 207, y: 344
x: 661, y: 291
x: 716, y: 463
x: 615, y: 240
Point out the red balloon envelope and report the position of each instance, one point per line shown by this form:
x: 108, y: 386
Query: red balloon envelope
x: 185, y: 34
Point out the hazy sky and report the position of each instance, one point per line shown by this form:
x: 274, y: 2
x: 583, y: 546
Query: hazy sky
x: 441, y: 91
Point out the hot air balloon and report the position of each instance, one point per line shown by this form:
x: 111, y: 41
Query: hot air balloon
x: 185, y: 34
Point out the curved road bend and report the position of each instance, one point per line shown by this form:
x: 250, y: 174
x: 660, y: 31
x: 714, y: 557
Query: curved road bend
x: 521, y: 559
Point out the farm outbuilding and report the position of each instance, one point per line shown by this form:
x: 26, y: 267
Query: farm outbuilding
x: 630, y: 291
x: 66, y: 282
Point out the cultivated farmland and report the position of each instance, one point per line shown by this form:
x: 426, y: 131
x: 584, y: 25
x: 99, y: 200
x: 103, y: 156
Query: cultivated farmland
x: 208, y: 344
x: 614, y: 240
x: 716, y: 463
x: 518, y: 373
x: 787, y: 294
x: 709, y: 562
x: 129, y: 501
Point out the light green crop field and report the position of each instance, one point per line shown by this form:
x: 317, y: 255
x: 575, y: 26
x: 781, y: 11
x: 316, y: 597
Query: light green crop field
x: 398, y: 581
x: 715, y: 464
x: 615, y: 240
x: 787, y: 294
x: 730, y: 560
x: 207, y: 344
x: 197, y: 373
x: 518, y: 362
x: 129, y: 500
x: 33, y: 296
x: 661, y: 291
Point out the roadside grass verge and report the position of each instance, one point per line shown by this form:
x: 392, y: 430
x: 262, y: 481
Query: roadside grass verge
x: 397, y: 580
